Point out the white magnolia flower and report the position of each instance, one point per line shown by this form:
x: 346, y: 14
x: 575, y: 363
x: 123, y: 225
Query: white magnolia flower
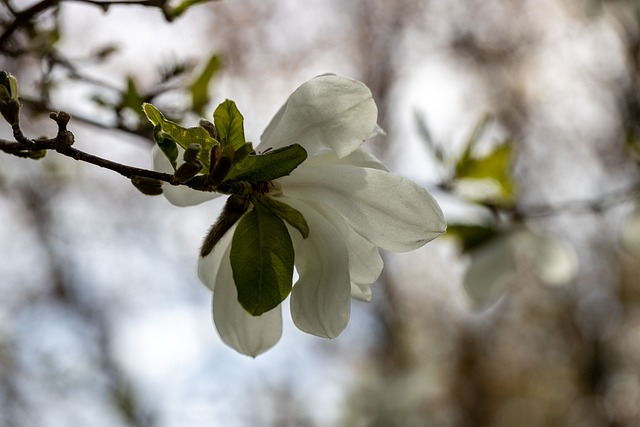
x: 352, y: 205
x: 495, y: 266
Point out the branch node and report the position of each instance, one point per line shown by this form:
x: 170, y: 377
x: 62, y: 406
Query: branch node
x: 62, y: 119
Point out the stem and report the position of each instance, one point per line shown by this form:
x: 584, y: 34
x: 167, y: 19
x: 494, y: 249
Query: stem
x: 24, y: 146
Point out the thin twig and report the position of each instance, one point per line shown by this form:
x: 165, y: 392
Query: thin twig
x: 19, y: 149
x: 24, y: 17
x: 599, y: 204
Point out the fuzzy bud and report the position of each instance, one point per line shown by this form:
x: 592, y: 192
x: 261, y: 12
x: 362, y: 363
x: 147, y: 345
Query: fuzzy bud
x: 148, y: 186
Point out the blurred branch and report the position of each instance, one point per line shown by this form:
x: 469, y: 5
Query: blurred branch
x: 64, y: 289
x: 595, y: 205
x: 24, y: 18
x: 38, y: 106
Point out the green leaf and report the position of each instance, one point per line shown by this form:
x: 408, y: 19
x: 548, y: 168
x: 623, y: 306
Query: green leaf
x: 268, y: 166
x: 166, y: 144
x: 287, y: 213
x: 5, y: 94
x: 471, y: 142
x: 229, y: 123
x: 262, y: 259
x: 184, y: 137
x: 425, y: 135
x: 131, y: 97
x: 8, y: 87
x: 496, y: 166
x: 200, y: 87
x: 471, y: 235
x: 153, y: 114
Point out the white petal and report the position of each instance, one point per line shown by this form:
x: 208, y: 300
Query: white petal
x: 365, y: 262
x: 250, y: 335
x: 554, y: 261
x: 392, y: 212
x: 361, y: 292
x: 178, y: 195
x: 326, y: 113
x: 358, y: 157
x: 321, y: 298
x: 490, y: 273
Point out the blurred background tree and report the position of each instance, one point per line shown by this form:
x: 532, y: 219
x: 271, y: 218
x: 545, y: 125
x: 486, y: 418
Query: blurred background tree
x: 521, y: 117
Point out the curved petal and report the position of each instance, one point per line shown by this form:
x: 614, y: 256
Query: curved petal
x: 365, y: 262
x: 392, y: 212
x: 490, y: 272
x: 326, y: 113
x: 250, y: 335
x: 321, y: 298
x: 361, y: 292
x: 178, y: 195
x: 358, y: 157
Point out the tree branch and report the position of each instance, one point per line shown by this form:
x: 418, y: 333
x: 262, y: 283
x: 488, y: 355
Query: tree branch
x: 24, y: 17
x: 595, y: 205
x: 28, y: 148
x: 21, y: 150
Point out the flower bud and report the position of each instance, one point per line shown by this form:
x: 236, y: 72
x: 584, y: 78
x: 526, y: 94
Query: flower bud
x: 219, y: 171
x: 9, y: 105
x: 186, y: 171
x: 8, y: 87
x: 232, y: 211
x: 210, y: 128
x: 148, y: 186
x: 191, y: 153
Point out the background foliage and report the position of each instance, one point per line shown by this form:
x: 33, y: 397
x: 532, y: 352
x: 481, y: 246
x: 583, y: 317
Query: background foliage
x: 520, y: 116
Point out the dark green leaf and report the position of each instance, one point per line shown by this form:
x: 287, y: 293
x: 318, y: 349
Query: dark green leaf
x: 262, y: 259
x: 131, y: 97
x: 242, y: 152
x: 184, y: 137
x: 5, y: 86
x: 471, y: 235
x: 229, y: 124
x: 166, y: 144
x: 268, y: 166
x: 200, y: 87
x: 287, y: 213
x: 5, y: 95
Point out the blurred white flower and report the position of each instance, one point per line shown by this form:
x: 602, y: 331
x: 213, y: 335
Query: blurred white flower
x: 352, y: 205
x: 495, y: 266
